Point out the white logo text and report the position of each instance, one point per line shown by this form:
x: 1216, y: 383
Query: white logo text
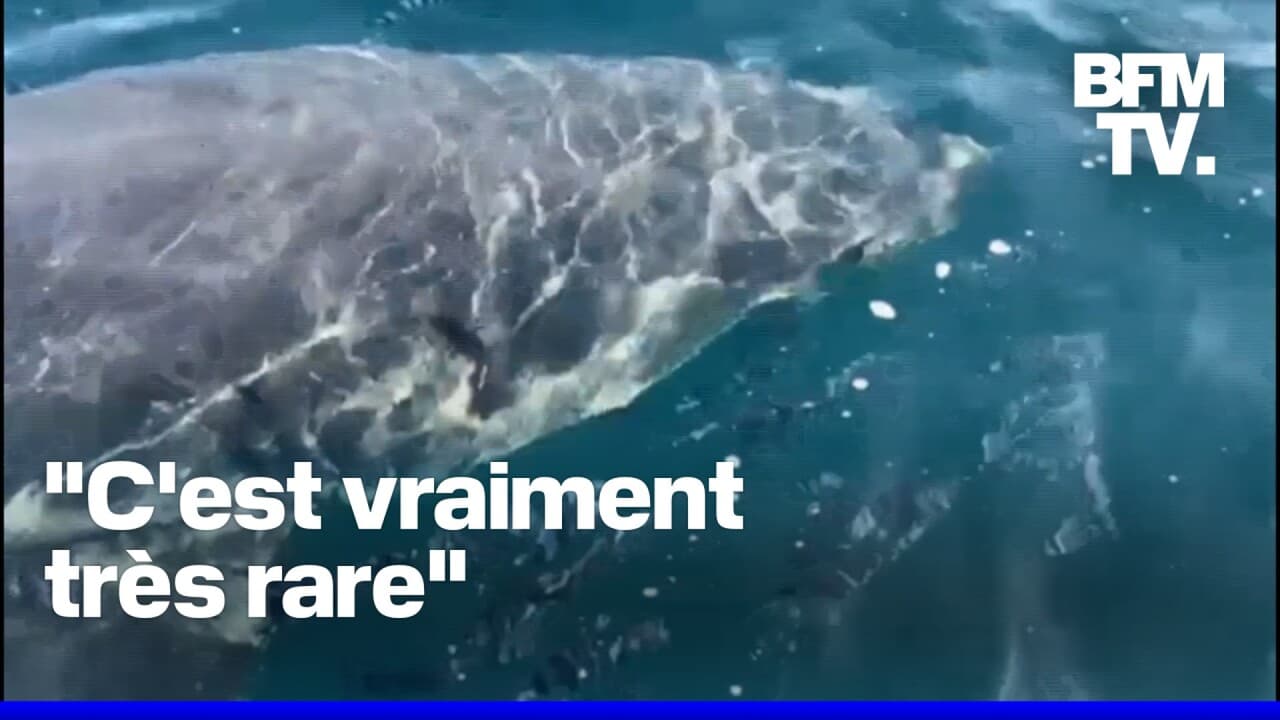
x: 1103, y: 80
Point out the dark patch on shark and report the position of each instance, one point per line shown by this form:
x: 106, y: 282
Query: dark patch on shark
x: 488, y: 391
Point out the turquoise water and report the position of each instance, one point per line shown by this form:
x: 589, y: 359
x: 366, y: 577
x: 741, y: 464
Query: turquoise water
x: 1133, y: 320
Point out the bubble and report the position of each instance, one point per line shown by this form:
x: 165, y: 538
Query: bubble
x: 882, y: 310
x: 860, y: 384
x: 942, y: 270
x: 999, y: 247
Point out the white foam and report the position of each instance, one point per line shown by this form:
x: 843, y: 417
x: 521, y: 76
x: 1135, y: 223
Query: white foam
x: 882, y: 310
x: 78, y: 35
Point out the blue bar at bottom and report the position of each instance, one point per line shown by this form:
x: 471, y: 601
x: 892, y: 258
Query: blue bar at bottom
x: 275, y: 710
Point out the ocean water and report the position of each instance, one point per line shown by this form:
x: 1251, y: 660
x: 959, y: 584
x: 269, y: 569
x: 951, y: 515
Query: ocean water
x: 1066, y: 431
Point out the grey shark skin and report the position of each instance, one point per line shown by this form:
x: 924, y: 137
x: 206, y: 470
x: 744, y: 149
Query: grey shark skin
x: 381, y: 262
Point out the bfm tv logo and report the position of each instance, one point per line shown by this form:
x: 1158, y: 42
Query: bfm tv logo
x: 1122, y: 79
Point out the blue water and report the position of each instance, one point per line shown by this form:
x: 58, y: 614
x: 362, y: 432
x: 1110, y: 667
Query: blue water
x: 1134, y: 319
